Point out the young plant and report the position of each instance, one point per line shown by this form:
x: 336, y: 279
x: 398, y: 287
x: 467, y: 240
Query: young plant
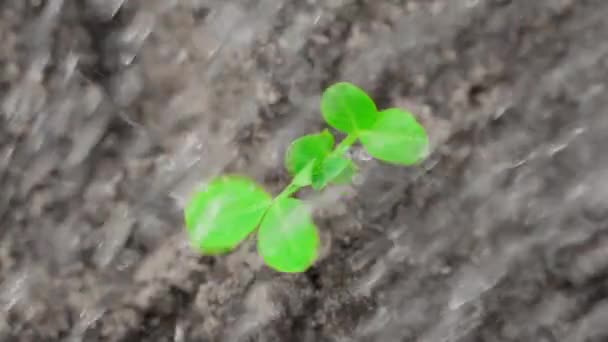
x: 229, y: 208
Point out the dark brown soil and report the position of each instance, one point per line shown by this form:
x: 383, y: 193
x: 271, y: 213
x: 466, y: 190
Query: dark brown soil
x: 113, y: 111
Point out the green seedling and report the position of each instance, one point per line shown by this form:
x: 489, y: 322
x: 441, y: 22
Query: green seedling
x: 229, y: 208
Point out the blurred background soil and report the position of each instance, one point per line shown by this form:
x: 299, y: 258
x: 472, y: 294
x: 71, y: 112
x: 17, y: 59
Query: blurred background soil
x: 113, y: 111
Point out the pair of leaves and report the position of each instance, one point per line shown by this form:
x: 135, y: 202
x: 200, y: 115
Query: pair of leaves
x: 310, y: 160
x: 392, y: 135
x: 230, y: 208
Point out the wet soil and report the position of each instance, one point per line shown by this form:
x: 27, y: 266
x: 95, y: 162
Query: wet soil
x: 113, y: 111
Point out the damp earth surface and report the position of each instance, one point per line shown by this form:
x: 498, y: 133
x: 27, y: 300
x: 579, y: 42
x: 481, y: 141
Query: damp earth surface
x: 112, y: 112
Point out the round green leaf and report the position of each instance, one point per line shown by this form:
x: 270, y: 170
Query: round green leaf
x: 333, y: 169
x: 288, y: 240
x: 348, y: 108
x: 304, y: 177
x: 306, y: 149
x: 396, y: 138
x: 347, y: 174
x: 224, y: 213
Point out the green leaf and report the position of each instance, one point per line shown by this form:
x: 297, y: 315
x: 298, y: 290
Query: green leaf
x: 288, y: 240
x: 306, y: 149
x: 347, y: 174
x: 348, y: 108
x: 304, y: 177
x: 396, y: 138
x: 224, y: 213
x: 333, y: 169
